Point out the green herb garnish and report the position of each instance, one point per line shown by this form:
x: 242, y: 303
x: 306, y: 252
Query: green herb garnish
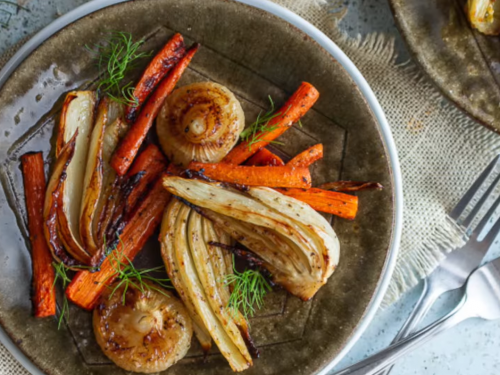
x: 249, y: 289
x: 60, y: 269
x: 115, y: 58
x: 257, y: 130
x: 129, y: 275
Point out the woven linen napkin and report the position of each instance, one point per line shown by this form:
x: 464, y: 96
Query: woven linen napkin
x: 440, y: 150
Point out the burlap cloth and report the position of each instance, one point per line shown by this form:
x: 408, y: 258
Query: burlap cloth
x: 440, y: 150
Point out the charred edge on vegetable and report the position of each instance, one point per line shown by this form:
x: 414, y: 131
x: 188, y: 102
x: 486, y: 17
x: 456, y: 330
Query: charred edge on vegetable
x: 190, y: 205
x: 122, y: 213
x: 196, y: 174
x: 252, y: 348
x: 252, y: 260
x: 108, y: 208
x: 189, y: 173
x: 120, y: 217
x: 351, y: 186
x: 167, y: 64
x: 53, y: 239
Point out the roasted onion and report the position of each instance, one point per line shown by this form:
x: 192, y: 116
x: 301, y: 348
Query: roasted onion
x: 148, y: 333
x: 199, y: 122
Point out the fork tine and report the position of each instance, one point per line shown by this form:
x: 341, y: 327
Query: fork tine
x: 480, y: 227
x: 492, y: 234
x: 464, y: 202
x: 468, y: 220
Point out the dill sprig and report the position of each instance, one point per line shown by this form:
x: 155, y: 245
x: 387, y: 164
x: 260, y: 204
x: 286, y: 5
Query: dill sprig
x: 9, y: 13
x: 60, y: 269
x: 261, y: 126
x: 61, y: 274
x: 129, y: 275
x: 249, y: 289
x: 115, y: 58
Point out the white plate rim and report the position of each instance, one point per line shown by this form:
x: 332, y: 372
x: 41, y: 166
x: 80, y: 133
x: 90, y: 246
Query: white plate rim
x: 356, y: 76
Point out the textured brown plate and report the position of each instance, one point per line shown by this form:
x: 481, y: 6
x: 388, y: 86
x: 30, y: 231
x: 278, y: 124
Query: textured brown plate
x: 255, y: 54
x: 463, y: 63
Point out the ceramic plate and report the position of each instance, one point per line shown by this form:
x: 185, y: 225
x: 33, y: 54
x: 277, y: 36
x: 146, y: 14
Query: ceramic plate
x: 255, y: 53
x: 463, y: 63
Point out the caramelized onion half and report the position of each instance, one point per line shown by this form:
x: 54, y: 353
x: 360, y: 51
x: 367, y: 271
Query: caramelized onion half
x: 148, y: 333
x: 199, y: 122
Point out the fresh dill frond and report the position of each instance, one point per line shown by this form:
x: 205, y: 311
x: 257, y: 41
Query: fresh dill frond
x: 115, y: 58
x: 61, y: 274
x: 258, y: 129
x: 249, y: 290
x: 129, y: 275
x: 60, y: 269
x: 261, y: 126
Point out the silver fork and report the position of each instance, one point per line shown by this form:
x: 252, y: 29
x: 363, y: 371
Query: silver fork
x: 481, y: 300
x: 453, y: 270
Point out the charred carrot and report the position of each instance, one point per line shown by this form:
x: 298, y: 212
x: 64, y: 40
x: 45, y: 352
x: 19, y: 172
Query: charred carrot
x: 170, y: 55
x: 129, y: 146
x: 296, y: 106
x: 307, y: 157
x: 86, y: 287
x: 265, y: 158
x: 255, y: 176
x: 149, y: 164
x: 44, y: 295
x: 339, y: 204
x: 174, y: 169
x: 145, y: 170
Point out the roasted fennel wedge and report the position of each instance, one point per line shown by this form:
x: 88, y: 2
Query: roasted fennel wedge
x: 53, y: 197
x: 184, y: 270
x: 77, y: 117
x: 93, y: 183
x: 296, y: 243
x: 168, y: 236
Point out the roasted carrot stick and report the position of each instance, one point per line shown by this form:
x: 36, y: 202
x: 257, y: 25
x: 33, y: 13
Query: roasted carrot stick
x: 150, y: 163
x: 129, y: 146
x: 86, y: 287
x: 145, y: 170
x: 170, y: 55
x: 307, y: 157
x: 265, y: 158
x: 44, y: 295
x: 255, y: 176
x: 339, y: 204
x: 296, y: 106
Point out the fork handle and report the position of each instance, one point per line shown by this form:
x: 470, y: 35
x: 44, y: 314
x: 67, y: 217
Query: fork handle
x: 386, y: 357
x: 427, y: 298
